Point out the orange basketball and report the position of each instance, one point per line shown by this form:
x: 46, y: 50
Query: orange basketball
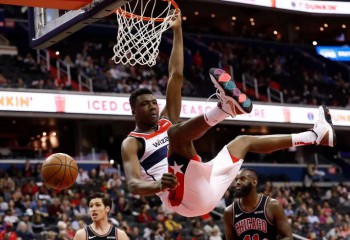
x: 59, y: 171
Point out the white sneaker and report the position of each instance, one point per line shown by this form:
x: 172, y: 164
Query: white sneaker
x: 233, y: 101
x: 323, y: 128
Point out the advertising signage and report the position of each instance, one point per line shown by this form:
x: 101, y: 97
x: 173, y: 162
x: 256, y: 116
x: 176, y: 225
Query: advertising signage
x: 334, y: 53
x: 116, y: 105
x: 307, y: 6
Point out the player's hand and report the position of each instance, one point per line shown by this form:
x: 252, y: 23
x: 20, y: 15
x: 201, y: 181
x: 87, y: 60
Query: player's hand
x: 176, y: 21
x: 168, y: 180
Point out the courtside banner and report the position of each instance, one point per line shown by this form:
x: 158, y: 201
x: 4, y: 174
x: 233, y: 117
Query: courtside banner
x: 322, y: 7
x: 308, y: 6
x: 334, y: 53
x: 119, y: 106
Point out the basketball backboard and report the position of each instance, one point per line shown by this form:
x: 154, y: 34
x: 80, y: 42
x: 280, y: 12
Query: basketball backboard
x: 48, y: 26
x: 60, y: 4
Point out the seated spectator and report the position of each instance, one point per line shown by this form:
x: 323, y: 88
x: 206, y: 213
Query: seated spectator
x: 345, y: 230
x: 50, y: 235
x: 122, y: 206
x: 4, y: 206
x: 159, y: 232
x: 317, y: 175
x: 172, y: 226
x: 334, y: 233
x: 148, y: 231
x: 8, y: 233
x: 66, y: 207
x: 322, y: 217
x: 312, y: 218
x: 70, y: 231
x: 135, y: 234
x: 23, y: 232
x: 197, y: 231
x: 114, y: 181
x: 54, y: 210
x: 41, y: 209
x: 75, y: 223
x: 289, y: 211
x: 7, y: 183
x: 326, y: 208
x: 83, y: 177
x: 30, y: 188
x: 76, y: 199
x: 43, y: 193
x: 301, y: 210
x: 11, y: 216
x: 143, y: 216
x: 159, y: 215
x: 38, y: 223
x: 17, y: 210
x: 212, y: 230
x: 82, y: 210
x: 20, y: 84
x: 62, y: 227
x: 17, y: 196
x: 26, y: 218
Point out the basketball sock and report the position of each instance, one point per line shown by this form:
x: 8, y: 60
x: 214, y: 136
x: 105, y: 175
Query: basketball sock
x: 215, y: 116
x: 304, y: 138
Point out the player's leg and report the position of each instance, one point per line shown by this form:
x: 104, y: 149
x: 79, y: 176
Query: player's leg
x: 232, y: 102
x: 321, y: 134
x: 227, y: 163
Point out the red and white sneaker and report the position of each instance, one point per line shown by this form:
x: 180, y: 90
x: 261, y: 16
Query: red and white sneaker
x: 324, y: 129
x: 233, y: 101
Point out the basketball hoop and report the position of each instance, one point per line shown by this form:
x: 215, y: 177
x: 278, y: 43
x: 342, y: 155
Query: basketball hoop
x: 140, y: 27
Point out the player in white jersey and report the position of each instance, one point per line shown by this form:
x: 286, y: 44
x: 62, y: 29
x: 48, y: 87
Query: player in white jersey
x: 181, y: 180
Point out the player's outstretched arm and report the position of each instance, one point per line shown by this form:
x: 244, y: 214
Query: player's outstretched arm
x: 80, y: 235
x: 280, y: 220
x: 228, y: 218
x: 176, y: 66
x: 132, y: 169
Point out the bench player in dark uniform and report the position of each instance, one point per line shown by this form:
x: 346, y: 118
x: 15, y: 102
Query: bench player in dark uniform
x: 100, y: 229
x: 253, y: 216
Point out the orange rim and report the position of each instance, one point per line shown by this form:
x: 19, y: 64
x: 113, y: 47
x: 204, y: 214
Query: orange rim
x: 131, y: 15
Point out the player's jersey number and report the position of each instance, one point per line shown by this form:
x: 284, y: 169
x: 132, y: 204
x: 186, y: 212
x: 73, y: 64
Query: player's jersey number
x: 254, y: 237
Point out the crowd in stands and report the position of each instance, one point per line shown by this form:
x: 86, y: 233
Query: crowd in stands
x: 26, y: 73
x: 29, y: 210
x: 301, y: 76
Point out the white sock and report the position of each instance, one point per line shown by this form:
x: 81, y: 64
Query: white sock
x: 304, y: 138
x: 215, y: 116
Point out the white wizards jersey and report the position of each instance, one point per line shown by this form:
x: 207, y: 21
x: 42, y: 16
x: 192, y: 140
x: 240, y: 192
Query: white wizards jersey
x: 154, y: 161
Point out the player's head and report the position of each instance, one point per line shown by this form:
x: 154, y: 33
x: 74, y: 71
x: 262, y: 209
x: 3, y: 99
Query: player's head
x: 245, y: 182
x: 144, y: 106
x: 99, y: 206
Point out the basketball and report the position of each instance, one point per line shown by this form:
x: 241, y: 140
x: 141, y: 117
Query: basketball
x: 59, y: 171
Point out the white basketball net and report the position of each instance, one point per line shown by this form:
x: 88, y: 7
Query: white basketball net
x: 139, y: 36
